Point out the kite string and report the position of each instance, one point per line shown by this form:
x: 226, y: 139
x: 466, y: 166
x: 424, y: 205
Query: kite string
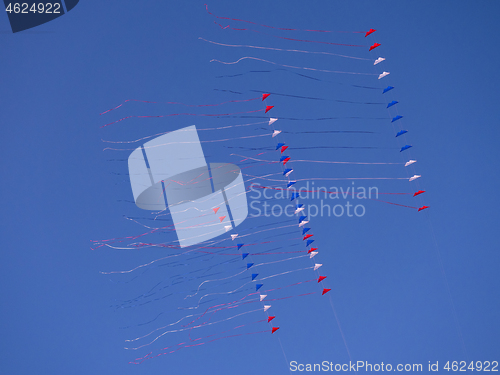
x: 438, y: 255
x: 191, y: 315
x: 187, y: 142
x: 186, y: 105
x: 181, y: 114
x: 289, y: 66
x: 198, y: 129
x: 317, y: 161
x: 279, y: 28
x: 207, y: 323
x: 340, y: 328
x: 291, y: 39
x: 281, y: 49
x: 448, y: 290
x: 239, y: 273
x: 148, y: 356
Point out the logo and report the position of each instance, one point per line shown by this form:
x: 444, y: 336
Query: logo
x: 205, y: 200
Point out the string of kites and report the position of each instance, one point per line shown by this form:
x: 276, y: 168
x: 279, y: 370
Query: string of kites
x: 303, y: 220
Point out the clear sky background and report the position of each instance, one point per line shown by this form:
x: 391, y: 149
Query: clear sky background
x: 407, y: 286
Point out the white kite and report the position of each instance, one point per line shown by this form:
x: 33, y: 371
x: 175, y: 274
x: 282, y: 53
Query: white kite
x: 383, y: 74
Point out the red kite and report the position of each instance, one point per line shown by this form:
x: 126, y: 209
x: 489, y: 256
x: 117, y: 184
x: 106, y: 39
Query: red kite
x: 369, y: 32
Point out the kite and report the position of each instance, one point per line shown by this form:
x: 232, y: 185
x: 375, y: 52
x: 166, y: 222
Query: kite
x: 383, y: 74
x: 197, y: 206
x: 410, y: 162
x: 369, y: 32
x: 387, y: 89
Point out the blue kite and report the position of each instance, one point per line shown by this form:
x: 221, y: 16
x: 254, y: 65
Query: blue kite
x: 387, y: 89
x: 401, y: 132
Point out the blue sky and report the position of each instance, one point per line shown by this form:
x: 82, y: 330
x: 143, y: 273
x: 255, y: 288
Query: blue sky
x: 407, y: 286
